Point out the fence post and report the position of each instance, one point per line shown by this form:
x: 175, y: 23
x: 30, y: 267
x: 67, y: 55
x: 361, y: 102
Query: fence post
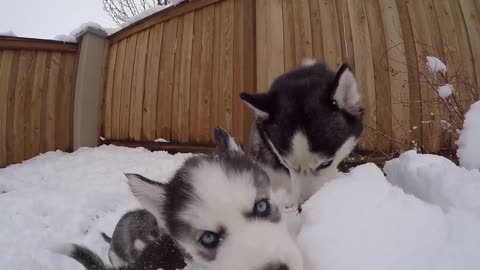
x: 88, y: 87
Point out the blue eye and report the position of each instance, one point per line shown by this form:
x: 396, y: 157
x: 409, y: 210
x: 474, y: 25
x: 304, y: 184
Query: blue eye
x: 262, y: 208
x: 210, y: 239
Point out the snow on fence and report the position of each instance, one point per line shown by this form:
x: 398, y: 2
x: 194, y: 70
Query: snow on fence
x: 36, y: 97
x: 178, y: 73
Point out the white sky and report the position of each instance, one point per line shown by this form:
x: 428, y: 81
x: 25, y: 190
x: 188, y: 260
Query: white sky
x: 48, y: 18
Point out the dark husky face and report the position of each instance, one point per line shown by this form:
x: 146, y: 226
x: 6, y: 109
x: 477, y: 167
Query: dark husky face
x: 218, y: 207
x: 310, y: 117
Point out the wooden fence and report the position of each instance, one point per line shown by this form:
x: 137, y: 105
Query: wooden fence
x: 177, y: 74
x: 36, y: 97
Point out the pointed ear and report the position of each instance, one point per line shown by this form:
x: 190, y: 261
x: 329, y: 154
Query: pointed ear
x: 224, y: 142
x: 150, y: 194
x: 260, y: 103
x: 346, y: 93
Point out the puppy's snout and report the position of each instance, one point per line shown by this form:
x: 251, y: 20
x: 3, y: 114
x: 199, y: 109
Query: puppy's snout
x: 276, y: 266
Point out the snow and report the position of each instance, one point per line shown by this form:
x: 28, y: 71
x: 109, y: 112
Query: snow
x: 468, y: 143
x: 445, y: 91
x: 8, y: 33
x: 436, y: 65
x: 72, y: 36
x: 425, y: 215
x: 59, y: 197
x: 161, y: 140
x: 361, y: 221
x: 142, y: 15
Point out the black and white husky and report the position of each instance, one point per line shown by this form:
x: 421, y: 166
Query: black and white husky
x: 308, y: 121
x: 219, y: 209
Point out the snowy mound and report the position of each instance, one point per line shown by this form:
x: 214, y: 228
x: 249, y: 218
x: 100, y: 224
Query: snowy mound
x: 59, y: 197
x: 436, y: 180
x: 361, y: 221
x: 469, y: 141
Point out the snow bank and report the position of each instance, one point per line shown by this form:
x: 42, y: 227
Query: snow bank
x: 9, y: 33
x: 436, y: 65
x: 436, y: 180
x: 59, y: 197
x: 445, y: 91
x: 361, y: 221
x: 469, y: 140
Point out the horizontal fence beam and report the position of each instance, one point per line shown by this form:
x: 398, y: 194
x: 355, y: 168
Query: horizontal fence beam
x: 164, y: 15
x: 16, y: 43
x: 163, y: 146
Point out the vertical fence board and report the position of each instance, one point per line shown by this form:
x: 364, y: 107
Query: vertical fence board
x: 117, y: 88
x: 204, y: 128
x: 226, y: 66
x: 166, y: 80
x: 185, y: 79
x: 364, y: 71
x: 346, y: 32
x: 138, y: 87
x: 127, y: 78
x: 289, y: 40
x: 239, y: 69
x: 275, y: 38
x: 332, y: 54
x: 27, y: 103
x: 195, y: 78
x: 22, y: 86
x: 11, y: 108
x: 316, y: 26
x: 397, y: 68
x: 149, y: 119
x: 6, y: 63
x: 51, y: 101
x: 216, y: 72
x: 471, y: 16
x: 175, y: 126
x: 112, y: 61
x: 382, y: 77
x: 303, y: 31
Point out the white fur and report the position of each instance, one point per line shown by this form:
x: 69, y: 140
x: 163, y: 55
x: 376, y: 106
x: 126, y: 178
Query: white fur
x: 139, y: 244
x: 309, y: 62
x: 258, y: 113
x: 63, y: 249
x: 115, y: 260
x: 222, y: 199
x: 346, y: 94
x: 149, y: 200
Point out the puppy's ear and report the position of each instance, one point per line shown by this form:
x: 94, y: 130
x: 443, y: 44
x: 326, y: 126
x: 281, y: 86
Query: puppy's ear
x: 260, y: 103
x: 150, y: 194
x: 224, y: 142
x: 346, y: 94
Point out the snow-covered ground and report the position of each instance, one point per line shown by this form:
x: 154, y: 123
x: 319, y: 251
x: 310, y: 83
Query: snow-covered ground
x: 425, y: 215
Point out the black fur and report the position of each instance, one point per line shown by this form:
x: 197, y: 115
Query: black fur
x: 163, y: 254
x: 105, y: 237
x: 302, y: 99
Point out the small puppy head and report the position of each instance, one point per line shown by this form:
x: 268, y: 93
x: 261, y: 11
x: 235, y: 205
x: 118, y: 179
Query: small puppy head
x: 219, y: 208
x: 310, y: 118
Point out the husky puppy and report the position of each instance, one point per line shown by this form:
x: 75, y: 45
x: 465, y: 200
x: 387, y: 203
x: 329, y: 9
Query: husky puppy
x: 307, y: 122
x: 218, y: 208
x: 135, y: 230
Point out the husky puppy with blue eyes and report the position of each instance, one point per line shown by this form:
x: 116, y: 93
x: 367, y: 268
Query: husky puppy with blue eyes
x: 309, y: 120
x: 219, y: 209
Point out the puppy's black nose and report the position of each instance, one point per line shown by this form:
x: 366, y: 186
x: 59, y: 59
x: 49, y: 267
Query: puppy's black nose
x: 276, y: 266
